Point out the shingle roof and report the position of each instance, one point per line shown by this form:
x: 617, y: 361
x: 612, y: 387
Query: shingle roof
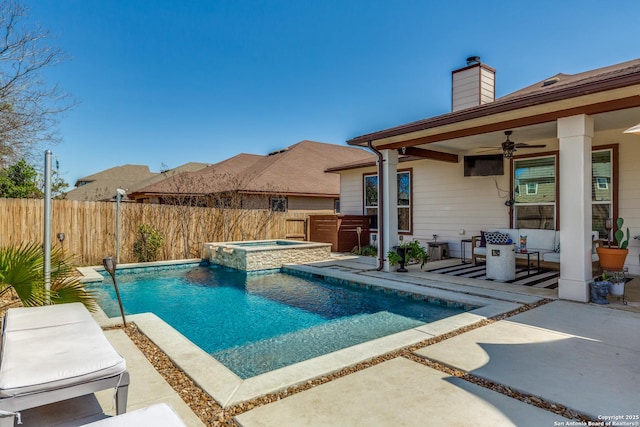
x: 561, y: 81
x: 187, y: 167
x: 298, y: 169
x: 103, y: 185
x: 565, y: 87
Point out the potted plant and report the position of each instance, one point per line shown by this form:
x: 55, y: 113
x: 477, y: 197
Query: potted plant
x: 613, y: 258
x: 407, y: 252
x: 617, y: 281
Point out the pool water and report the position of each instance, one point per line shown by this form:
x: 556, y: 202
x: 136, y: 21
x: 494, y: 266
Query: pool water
x: 261, y: 243
x: 255, y: 323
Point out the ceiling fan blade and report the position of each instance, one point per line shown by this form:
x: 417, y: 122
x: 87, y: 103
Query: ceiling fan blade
x: 524, y: 145
x: 486, y: 149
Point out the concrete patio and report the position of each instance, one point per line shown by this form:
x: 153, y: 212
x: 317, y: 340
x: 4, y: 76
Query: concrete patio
x: 559, y: 352
x: 581, y: 357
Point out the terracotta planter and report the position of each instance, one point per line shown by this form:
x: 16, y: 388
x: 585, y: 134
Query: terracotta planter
x: 612, y: 259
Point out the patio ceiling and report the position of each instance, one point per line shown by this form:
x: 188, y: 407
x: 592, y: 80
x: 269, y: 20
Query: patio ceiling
x: 538, y: 133
x: 546, y: 133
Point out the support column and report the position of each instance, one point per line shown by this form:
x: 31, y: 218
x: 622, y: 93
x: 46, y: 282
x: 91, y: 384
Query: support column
x: 389, y: 187
x: 575, y: 135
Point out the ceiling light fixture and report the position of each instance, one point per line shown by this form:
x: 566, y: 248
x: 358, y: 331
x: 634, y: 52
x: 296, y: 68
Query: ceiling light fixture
x: 508, y: 147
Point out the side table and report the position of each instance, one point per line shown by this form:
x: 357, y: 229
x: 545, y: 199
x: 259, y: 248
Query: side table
x: 438, y: 251
x: 528, y: 254
x: 462, y: 250
x: 501, y: 262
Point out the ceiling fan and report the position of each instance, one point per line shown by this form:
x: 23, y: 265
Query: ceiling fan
x: 508, y: 146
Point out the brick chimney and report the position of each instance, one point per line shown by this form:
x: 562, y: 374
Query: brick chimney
x: 472, y: 85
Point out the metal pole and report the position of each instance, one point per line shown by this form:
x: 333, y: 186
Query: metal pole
x: 47, y: 224
x: 118, y: 198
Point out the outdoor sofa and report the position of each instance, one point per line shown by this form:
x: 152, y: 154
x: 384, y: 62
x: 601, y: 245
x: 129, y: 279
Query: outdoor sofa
x: 547, y: 242
x: 54, y: 353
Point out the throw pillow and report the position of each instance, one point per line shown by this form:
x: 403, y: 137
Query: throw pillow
x: 557, y: 249
x: 496, y: 238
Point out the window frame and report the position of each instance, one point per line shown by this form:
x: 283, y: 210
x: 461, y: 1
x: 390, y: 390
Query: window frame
x: 614, y: 179
x: 600, y: 184
x: 556, y: 203
x: 276, y: 201
x: 613, y: 187
x: 409, y: 207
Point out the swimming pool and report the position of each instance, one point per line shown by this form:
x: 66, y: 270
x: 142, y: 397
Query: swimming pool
x: 255, y: 323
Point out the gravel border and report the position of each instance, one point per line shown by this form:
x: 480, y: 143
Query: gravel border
x: 212, y: 414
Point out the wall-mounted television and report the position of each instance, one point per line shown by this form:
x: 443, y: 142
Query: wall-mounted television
x: 487, y: 165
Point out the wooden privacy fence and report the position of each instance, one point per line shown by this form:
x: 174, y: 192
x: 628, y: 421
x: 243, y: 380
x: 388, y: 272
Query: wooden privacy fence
x: 339, y: 230
x: 90, y: 227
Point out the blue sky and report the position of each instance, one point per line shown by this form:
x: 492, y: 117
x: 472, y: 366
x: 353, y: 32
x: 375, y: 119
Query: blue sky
x: 162, y: 82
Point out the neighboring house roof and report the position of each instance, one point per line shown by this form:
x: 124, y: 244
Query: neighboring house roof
x: 557, y: 88
x: 187, y: 167
x: 296, y: 170
x: 103, y: 185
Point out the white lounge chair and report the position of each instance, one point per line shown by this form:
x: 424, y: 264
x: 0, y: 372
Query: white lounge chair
x: 54, y: 353
x: 160, y: 415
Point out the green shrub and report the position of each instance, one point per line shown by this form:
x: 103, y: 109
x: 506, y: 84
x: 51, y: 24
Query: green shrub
x: 148, y: 244
x: 367, y: 250
x: 22, y: 271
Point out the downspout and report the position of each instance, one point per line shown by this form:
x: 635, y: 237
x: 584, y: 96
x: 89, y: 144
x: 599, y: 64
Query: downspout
x: 380, y: 206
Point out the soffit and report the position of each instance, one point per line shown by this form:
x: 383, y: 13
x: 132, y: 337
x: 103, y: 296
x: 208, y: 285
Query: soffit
x: 533, y: 123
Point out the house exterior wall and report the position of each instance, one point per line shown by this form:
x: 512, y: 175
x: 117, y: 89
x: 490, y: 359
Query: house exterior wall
x: 445, y: 202
x: 310, y: 203
x: 351, y: 188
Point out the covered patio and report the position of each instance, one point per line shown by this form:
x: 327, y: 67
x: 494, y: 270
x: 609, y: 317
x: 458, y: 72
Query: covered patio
x: 569, y: 129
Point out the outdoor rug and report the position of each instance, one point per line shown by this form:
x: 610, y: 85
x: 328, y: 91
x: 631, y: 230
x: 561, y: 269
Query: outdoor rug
x: 535, y: 278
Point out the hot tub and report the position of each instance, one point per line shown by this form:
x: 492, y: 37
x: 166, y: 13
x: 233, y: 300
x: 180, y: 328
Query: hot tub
x: 256, y: 255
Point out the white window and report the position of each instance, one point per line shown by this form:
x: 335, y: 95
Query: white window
x: 535, y: 192
x: 601, y: 191
x: 602, y: 183
x: 404, y: 200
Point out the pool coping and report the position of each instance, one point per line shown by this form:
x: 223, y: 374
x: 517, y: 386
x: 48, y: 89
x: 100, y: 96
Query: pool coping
x: 228, y: 389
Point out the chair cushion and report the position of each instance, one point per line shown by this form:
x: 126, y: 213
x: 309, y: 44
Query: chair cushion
x: 155, y: 415
x: 37, y: 359
x: 21, y: 318
x: 480, y: 251
x: 543, y: 240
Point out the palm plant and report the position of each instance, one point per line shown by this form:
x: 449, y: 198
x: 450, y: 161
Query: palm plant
x: 22, y: 272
